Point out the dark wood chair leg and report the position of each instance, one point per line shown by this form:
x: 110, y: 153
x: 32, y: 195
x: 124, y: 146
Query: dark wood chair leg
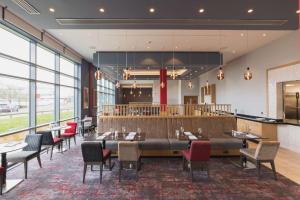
x: 84, y: 172
x: 62, y: 147
x: 69, y: 140
x: 120, y: 169
x: 75, y: 140
x: 137, y: 170
x: 39, y: 160
x: 25, y: 168
x: 258, y: 168
x: 183, y: 163
x: 242, y: 161
x: 51, y: 152
x: 273, y: 169
x: 101, y: 169
x: 1, y: 184
x: 191, y: 171
x: 109, y: 163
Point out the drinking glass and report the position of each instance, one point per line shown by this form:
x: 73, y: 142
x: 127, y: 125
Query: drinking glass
x: 139, y: 132
x: 200, y: 131
x: 177, y: 134
x: 182, y: 129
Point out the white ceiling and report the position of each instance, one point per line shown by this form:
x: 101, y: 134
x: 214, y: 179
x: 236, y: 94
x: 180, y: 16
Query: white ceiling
x: 233, y: 43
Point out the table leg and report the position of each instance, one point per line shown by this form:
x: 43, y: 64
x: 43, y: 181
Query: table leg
x: 4, y: 165
x: 103, y: 144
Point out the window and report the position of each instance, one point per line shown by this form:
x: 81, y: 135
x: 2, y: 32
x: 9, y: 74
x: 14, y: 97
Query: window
x: 14, y: 104
x: 106, y: 93
x: 66, y: 102
x: 20, y: 77
x: 44, y: 103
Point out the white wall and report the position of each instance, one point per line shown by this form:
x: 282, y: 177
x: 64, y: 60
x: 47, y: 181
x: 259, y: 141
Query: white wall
x: 186, y: 91
x: 249, y: 97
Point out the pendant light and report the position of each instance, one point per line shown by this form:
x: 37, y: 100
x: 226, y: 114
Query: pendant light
x: 98, y: 73
x: 220, y: 75
x: 190, y: 84
x: 131, y: 92
x: 162, y: 84
x: 247, y: 73
x: 117, y: 82
x: 134, y: 83
x: 140, y: 92
x: 173, y: 73
x: 126, y: 73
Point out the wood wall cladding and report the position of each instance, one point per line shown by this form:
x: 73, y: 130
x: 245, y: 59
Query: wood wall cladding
x: 210, y: 90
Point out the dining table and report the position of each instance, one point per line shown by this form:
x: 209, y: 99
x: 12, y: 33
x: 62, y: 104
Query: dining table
x: 57, y: 132
x: 5, y: 148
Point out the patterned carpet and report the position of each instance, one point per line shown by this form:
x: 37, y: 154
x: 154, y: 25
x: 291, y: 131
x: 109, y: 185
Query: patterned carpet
x: 159, y: 178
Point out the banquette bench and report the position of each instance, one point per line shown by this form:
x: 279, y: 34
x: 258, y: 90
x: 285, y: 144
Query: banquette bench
x: 160, y: 133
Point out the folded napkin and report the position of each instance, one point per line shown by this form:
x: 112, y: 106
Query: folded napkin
x: 132, y: 133
x: 101, y: 137
x: 251, y: 136
x: 188, y: 133
x: 129, y: 137
x: 192, y: 137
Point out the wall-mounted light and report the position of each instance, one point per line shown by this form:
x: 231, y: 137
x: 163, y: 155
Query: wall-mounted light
x: 162, y: 84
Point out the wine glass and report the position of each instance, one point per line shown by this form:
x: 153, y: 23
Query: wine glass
x: 123, y: 131
x: 200, y: 132
x: 177, y: 133
x: 139, y: 132
x: 182, y: 129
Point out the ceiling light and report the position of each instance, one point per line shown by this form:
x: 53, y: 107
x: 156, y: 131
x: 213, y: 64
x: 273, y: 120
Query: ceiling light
x: 102, y: 10
x: 176, y: 47
x: 250, y: 10
x: 220, y: 75
x: 52, y: 10
x: 298, y: 11
x: 242, y: 34
x: 248, y: 74
x: 201, y: 10
x: 148, y: 47
x: 152, y: 10
x: 233, y: 51
x: 196, y: 71
x: 264, y: 34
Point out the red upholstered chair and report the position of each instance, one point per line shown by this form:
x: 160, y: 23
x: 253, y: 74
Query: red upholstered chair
x: 1, y: 178
x: 70, y: 133
x: 199, y: 153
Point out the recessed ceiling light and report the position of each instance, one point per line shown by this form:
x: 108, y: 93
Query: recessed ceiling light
x: 196, y: 71
x: 233, y: 51
x: 148, y: 47
x: 176, y: 47
x: 264, y: 34
x: 152, y: 10
x: 242, y: 34
x: 102, y: 10
x: 201, y: 10
x: 250, y: 10
x: 298, y: 11
x: 52, y: 10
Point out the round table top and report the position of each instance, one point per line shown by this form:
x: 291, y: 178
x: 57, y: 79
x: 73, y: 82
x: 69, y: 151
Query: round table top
x: 12, y: 146
x: 57, y: 128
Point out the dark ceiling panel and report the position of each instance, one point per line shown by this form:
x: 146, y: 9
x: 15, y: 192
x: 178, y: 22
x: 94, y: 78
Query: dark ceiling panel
x: 169, y: 14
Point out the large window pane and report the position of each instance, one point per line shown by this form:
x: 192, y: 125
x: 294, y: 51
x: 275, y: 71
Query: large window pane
x: 66, y: 66
x: 68, y: 81
x: 14, y: 104
x: 13, y: 45
x: 44, y: 103
x: 44, y: 75
x: 9, y: 67
x: 66, y: 102
x: 45, y: 57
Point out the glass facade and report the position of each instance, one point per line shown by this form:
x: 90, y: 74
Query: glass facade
x: 37, y: 85
x: 105, y: 93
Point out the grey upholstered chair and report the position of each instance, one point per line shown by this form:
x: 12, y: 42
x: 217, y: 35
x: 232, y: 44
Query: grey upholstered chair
x: 29, y: 152
x: 129, y: 152
x: 93, y: 154
x: 265, y: 152
x: 49, y: 142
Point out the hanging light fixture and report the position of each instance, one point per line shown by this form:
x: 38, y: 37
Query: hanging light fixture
x: 173, y: 73
x: 207, y: 85
x: 190, y: 84
x: 98, y: 73
x: 220, y: 75
x: 118, y: 82
x: 131, y: 92
x: 247, y: 73
x: 140, y: 92
x: 134, y: 83
x: 162, y: 84
x: 126, y: 72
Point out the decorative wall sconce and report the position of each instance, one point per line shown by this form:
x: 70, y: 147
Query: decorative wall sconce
x: 220, y: 75
x: 248, y: 74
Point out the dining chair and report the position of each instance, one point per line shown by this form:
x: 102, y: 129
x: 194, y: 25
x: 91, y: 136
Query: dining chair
x: 50, y: 142
x: 93, y: 154
x: 265, y: 152
x: 87, y: 126
x: 32, y: 150
x: 129, y: 152
x: 199, y: 153
x: 1, y: 178
x: 70, y: 133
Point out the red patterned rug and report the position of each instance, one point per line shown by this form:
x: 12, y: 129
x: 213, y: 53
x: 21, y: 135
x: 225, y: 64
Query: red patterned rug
x: 159, y: 178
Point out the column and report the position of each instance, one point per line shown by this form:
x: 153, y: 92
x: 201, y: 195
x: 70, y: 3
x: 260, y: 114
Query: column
x: 163, y: 88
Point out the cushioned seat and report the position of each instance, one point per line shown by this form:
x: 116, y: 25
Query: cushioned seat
x: 20, y: 156
x: 106, y: 153
x: 57, y: 139
x: 226, y: 143
x: 111, y: 145
x: 155, y: 144
x: 176, y: 144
